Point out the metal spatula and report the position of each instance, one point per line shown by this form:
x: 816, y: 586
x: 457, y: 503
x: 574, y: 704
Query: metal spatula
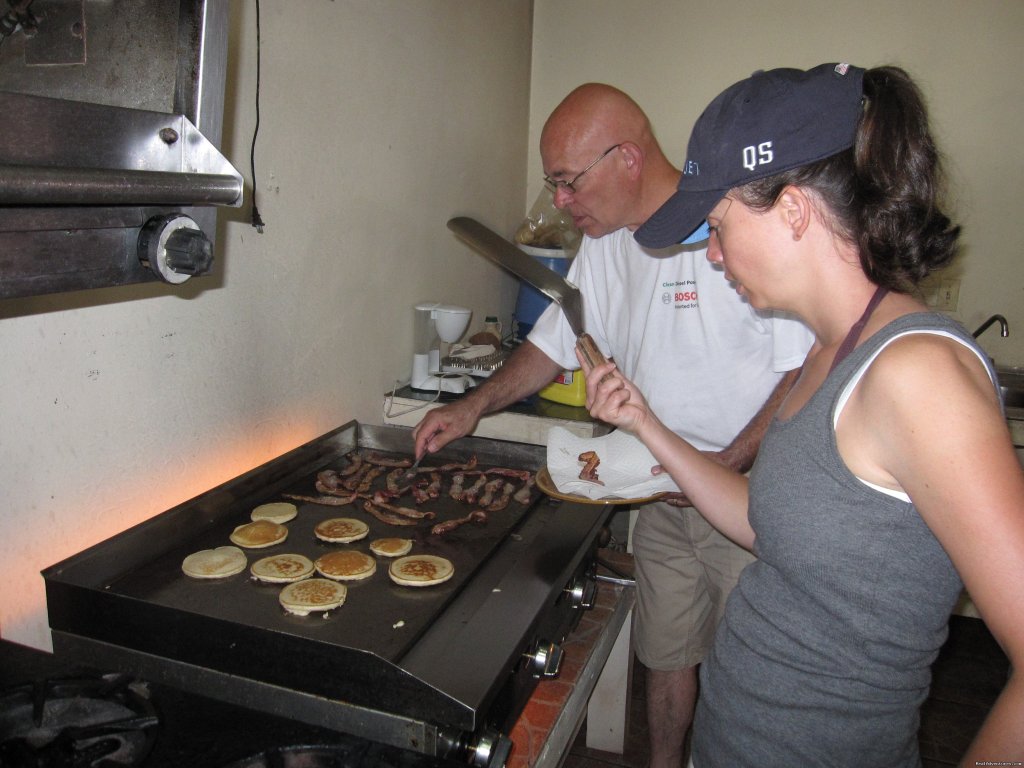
x: 547, y: 281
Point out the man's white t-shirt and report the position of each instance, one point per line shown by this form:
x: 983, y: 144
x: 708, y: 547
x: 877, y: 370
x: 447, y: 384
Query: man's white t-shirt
x: 702, y: 356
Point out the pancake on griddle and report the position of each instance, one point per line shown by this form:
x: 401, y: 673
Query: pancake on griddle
x: 275, y: 512
x: 214, y: 563
x: 278, y: 569
x: 421, y: 570
x: 391, y: 547
x: 259, y: 534
x: 341, y: 530
x: 304, y: 597
x: 346, y: 565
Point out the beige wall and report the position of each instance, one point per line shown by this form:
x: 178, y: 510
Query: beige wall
x: 380, y: 119
x: 674, y: 56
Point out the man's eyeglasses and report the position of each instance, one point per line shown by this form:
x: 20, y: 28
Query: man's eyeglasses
x: 569, y: 186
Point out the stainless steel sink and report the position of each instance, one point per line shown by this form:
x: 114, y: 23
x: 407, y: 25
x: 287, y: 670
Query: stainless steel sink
x: 1011, y: 387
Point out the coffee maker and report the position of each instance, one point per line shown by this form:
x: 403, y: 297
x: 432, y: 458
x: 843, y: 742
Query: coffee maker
x: 435, y: 324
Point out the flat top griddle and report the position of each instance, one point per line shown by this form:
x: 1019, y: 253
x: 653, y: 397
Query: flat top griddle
x: 404, y: 657
x: 378, y: 616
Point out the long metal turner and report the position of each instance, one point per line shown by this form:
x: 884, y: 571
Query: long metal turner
x: 547, y: 281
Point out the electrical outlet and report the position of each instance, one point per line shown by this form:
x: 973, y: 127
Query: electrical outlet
x: 948, y: 294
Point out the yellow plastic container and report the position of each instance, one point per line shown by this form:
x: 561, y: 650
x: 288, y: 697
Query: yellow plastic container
x: 568, y: 388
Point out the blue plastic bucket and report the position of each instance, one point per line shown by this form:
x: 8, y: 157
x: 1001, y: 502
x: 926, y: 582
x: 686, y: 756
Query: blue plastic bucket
x: 531, y: 302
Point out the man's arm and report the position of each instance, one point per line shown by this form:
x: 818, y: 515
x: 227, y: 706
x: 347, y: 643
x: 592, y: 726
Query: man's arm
x: 526, y: 371
x: 742, y: 451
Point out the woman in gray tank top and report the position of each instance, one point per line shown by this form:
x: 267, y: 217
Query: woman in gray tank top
x: 887, y: 480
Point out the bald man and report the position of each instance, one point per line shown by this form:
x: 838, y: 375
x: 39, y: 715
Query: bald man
x: 713, y: 369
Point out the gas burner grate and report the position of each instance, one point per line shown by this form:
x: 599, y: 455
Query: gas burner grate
x: 77, y: 722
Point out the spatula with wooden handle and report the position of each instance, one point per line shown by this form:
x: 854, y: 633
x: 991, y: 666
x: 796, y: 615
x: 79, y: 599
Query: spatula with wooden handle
x: 547, y: 281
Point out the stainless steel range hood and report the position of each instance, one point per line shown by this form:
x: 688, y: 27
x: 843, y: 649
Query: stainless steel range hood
x: 109, y: 167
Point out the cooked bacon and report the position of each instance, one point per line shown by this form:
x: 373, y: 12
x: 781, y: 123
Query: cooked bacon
x: 380, y: 499
x: 393, y: 481
x: 386, y: 517
x: 502, y: 501
x: 331, y: 480
x: 465, y: 466
x: 352, y: 481
x: 386, y: 461
x: 330, y: 501
x: 434, y: 486
x: 477, y: 515
x: 355, y: 459
x: 517, y: 474
x: 419, y: 493
x: 589, y: 471
x: 524, y: 494
x: 474, y: 490
x: 367, y: 482
x: 380, y: 496
x: 490, y: 488
x: 457, y: 492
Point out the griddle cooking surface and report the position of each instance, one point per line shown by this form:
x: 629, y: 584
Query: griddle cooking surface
x: 378, y: 616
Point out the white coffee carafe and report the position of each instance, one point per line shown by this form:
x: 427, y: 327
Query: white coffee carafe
x: 434, y: 324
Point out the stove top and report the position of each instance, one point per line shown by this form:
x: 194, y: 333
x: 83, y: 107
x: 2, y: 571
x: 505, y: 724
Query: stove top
x: 139, y: 723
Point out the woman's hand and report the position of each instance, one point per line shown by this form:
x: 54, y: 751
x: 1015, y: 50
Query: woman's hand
x: 613, y: 398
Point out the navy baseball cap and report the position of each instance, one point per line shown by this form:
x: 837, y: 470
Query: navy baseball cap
x: 771, y: 122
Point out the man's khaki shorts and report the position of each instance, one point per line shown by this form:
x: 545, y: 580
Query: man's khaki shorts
x: 685, y: 570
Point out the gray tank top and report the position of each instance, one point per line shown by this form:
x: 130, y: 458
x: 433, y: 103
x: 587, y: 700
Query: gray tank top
x: 824, y: 655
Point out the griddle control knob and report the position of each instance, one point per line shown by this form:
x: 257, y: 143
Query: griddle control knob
x: 582, y: 592
x: 489, y: 749
x: 175, y: 248
x: 545, y: 659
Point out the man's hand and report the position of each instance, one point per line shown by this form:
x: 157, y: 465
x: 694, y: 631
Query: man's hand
x: 442, y: 425
x: 680, y: 499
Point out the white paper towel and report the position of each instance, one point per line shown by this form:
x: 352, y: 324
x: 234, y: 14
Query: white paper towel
x: 625, y: 467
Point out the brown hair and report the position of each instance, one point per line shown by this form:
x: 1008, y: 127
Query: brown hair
x: 883, y: 194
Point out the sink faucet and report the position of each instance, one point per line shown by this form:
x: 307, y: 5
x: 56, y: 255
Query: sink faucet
x: 1004, y: 329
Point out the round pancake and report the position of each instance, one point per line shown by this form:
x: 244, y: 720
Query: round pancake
x: 259, y: 534
x: 275, y: 512
x: 341, y: 530
x: 214, y: 563
x: 346, y: 565
x: 304, y: 597
x: 278, y: 569
x: 391, y: 547
x: 421, y: 570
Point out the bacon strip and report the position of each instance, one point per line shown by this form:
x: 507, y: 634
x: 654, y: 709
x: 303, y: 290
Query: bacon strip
x: 385, y: 517
x: 330, y: 501
x: 490, y: 488
x: 385, y: 461
x: 367, y: 482
x: 456, y: 467
x: 474, y: 490
x: 477, y: 515
x: 356, y: 461
x: 379, y: 499
x: 516, y: 474
x: 589, y: 471
x: 502, y: 501
x: 524, y: 494
x: 457, y: 492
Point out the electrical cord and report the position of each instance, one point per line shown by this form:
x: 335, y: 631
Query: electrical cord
x: 257, y: 220
x: 389, y: 402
